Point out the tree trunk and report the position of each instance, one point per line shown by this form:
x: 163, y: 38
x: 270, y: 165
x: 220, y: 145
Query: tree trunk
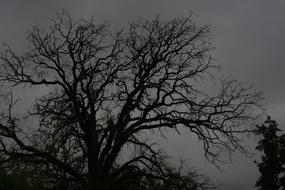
x: 97, y: 180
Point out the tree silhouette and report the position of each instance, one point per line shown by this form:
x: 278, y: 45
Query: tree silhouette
x: 106, y: 89
x: 183, y: 178
x: 272, y: 165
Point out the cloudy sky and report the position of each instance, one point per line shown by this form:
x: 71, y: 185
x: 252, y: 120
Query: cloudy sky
x: 248, y: 36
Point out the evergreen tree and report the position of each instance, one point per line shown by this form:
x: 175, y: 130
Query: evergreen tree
x: 272, y: 162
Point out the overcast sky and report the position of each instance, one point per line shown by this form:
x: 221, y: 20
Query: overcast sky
x: 248, y: 36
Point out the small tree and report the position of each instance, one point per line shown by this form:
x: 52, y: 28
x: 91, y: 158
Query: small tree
x: 106, y: 89
x: 272, y: 165
x: 183, y: 178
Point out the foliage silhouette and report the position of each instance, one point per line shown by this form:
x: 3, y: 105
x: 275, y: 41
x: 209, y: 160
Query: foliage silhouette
x: 183, y: 178
x: 272, y: 165
x: 106, y: 89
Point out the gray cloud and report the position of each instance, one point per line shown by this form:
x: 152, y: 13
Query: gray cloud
x: 248, y: 35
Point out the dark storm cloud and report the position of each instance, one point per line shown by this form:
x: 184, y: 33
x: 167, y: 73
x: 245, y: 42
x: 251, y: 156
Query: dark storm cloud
x: 248, y: 35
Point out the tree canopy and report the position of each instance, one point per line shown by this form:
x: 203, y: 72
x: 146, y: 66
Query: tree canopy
x: 106, y: 89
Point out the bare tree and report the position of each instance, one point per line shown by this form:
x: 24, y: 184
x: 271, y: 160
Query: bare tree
x: 107, y: 88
